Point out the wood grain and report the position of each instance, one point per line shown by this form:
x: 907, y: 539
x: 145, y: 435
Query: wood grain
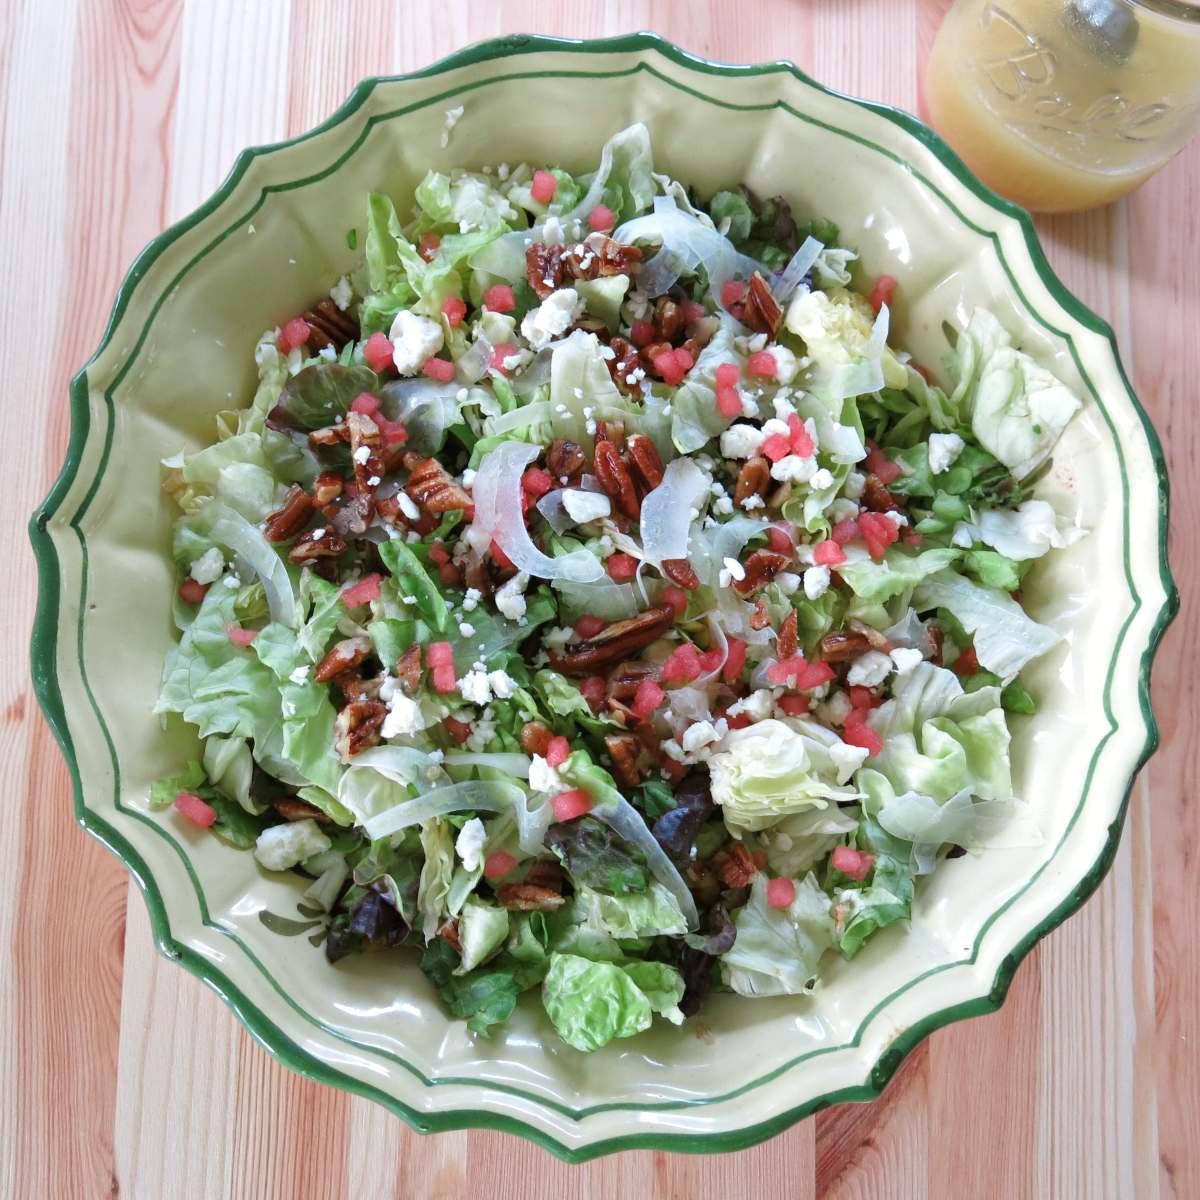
x: 125, y: 1076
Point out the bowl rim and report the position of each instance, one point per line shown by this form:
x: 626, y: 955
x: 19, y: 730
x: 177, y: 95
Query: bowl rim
x: 44, y: 647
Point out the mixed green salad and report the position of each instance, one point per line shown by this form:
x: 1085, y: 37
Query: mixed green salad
x: 593, y: 601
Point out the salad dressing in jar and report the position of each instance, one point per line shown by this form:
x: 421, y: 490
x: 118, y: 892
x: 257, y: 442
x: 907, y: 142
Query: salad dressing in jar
x: 1063, y: 105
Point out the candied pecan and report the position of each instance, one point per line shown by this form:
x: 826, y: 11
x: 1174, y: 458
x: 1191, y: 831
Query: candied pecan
x: 357, y: 726
x: 526, y: 897
x: 613, y: 476
x: 364, y: 436
x: 291, y: 809
x: 329, y: 326
x: 762, y: 311
x: 449, y: 934
x: 644, y: 459
x: 752, y: 479
x: 842, y: 646
x: 544, y: 268
x: 431, y: 486
x: 327, y: 488
x: 786, y: 643
x: 535, y: 738
x: 611, y: 431
x: 545, y: 873
x: 668, y: 319
x: 598, y: 255
x: 345, y: 656
x: 680, y: 571
x: 408, y: 670
x: 287, y: 521
x: 761, y: 568
x: 478, y: 576
x: 734, y: 866
x: 877, y: 498
x: 331, y: 435
x: 760, y: 618
x: 565, y: 460
x: 354, y: 687
x: 935, y: 640
x: 614, y: 642
x: 624, y: 362
x: 307, y: 547
x: 627, y: 678
x: 352, y: 518
x: 875, y: 636
x: 624, y: 749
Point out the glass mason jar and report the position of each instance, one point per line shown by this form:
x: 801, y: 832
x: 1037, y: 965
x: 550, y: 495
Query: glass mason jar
x: 1063, y: 105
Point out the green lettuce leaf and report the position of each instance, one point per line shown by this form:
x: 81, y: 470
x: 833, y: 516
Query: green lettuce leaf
x: 591, y: 1003
x: 898, y: 572
x: 650, y: 913
x: 882, y: 899
x: 164, y: 791
x: 482, y: 930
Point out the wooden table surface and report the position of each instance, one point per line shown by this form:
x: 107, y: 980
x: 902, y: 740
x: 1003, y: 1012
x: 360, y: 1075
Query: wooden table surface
x: 124, y: 1075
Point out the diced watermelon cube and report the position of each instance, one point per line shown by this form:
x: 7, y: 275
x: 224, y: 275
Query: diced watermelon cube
x: 693, y: 311
x: 642, y: 333
x: 558, y: 751
x: 732, y: 292
x: 795, y: 706
x: 438, y: 553
x: 391, y: 433
x: 454, y: 309
x: 362, y: 592
x: 589, y: 625
x: 499, y: 354
x: 366, y: 403
x: 729, y: 402
x: 844, y: 531
x: 856, y: 732
x: 460, y: 731
x: 193, y: 592
x: 878, y: 532
x: 621, y: 567
x: 735, y: 659
x: 777, y: 446
x: 967, y: 663
x: 569, y: 805
x: 294, y: 334
x: 601, y: 218
x: 499, y: 557
x: 594, y: 689
x: 239, y: 636
x: 648, y: 697
x: 710, y: 660
x: 439, y: 654
x: 779, y: 540
x: 781, y: 893
x: 828, y: 553
x: 882, y: 292
x: 444, y: 680
x: 499, y: 298
x: 863, y: 697
x: 441, y: 369
x: 856, y: 864
x: 197, y: 810
x: 728, y: 374
x: 879, y: 465
x: 677, y: 598
x: 536, y: 482
x: 499, y: 862
x: 802, y: 443
x: 543, y: 187
x: 378, y: 350
x: 683, y: 665
x: 762, y: 364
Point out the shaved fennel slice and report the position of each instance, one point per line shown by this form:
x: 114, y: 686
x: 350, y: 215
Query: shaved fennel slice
x: 498, y: 516
x: 791, y: 277
x: 669, y: 510
x: 233, y: 531
x: 626, y: 822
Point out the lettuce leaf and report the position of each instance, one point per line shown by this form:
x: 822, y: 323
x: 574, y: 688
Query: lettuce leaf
x: 777, y: 949
x: 650, y: 913
x: 884, y: 898
x: 898, y: 572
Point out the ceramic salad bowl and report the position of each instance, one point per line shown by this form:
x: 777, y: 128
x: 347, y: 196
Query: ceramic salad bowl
x: 177, y: 351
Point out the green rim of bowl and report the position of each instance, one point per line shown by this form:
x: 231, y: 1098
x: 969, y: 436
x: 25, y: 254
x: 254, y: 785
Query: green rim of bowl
x: 261, y: 1026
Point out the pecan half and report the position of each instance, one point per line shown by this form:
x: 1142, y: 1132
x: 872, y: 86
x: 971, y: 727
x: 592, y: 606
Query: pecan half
x: 331, y: 435
x: 535, y: 738
x: 786, y: 644
x: 353, y: 517
x: 345, y: 656
x: 842, y: 646
x: 430, y: 485
x: 763, y: 312
x: 669, y: 320
x: 357, y: 726
x: 329, y: 326
x: 875, y: 636
x: 624, y: 362
x: 877, y: 498
x: 327, y: 488
x: 565, y: 460
x: 364, y: 451
x: 752, y: 479
x: 449, y: 934
x: 680, y: 571
x: 479, y: 577
x: 613, y: 476
x: 614, y: 642
x: 544, y: 268
x: 408, y: 670
x: 611, y: 431
x: 291, y: 809
x: 598, y: 256
x: 734, y: 866
x: 308, y: 548
x: 354, y: 687
x: 761, y: 568
x: 627, y: 678
x: 526, y: 897
x: 934, y: 642
x: 760, y: 618
x: 624, y: 749
x: 644, y: 459
x: 287, y: 521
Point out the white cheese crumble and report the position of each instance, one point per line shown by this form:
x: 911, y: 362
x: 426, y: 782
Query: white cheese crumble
x: 741, y: 441
x: 788, y: 582
x: 414, y: 339
x: 453, y: 116
x: 474, y: 686
x: 944, y: 448
x: 543, y: 777
x: 794, y: 469
x: 510, y: 601
x: 503, y: 685
x: 816, y: 582
x: 906, y: 659
x: 282, y: 847
x: 361, y: 455
x: 209, y: 567
x: 342, y: 293
x: 408, y: 506
x: 852, y: 489
x: 404, y: 716
x: 469, y: 844
x: 584, y: 506
x: 552, y: 318
x: 471, y: 599
x: 869, y: 669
